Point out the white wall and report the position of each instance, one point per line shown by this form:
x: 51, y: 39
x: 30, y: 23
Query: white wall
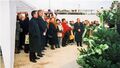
x: 7, y: 31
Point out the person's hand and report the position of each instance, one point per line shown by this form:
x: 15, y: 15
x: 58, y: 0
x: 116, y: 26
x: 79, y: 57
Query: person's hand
x: 44, y: 34
x: 78, y: 30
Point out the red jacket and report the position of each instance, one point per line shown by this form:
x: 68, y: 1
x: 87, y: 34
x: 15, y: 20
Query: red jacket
x: 65, y: 28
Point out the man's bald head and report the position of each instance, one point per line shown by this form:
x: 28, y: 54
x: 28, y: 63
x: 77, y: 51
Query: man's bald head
x: 78, y: 20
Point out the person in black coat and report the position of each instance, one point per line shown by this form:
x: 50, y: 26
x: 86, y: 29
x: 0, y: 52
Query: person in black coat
x: 34, y: 36
x: 43, y: 29
x: 52, y: 34
x: 24, y: 26
x: 18, y: 30
x: 78, y: 29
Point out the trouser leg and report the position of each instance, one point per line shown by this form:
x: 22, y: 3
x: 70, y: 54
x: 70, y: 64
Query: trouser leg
x: 63, y: 41
x: 78, y: 43
x: 81, y: 42
x: 26, y: 48
x: 17, y: 50
x: 32, y: 56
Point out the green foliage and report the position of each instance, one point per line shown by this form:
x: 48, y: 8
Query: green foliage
x: 112, y: 53
x: 103, y: 50
x: 111, y: 16
x: 104, y: 46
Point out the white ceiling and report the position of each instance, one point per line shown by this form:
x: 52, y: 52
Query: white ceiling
x: 70, y: 4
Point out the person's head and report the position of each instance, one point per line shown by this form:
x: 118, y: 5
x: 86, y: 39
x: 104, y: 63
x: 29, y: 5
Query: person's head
x: 71, y: 22
x: 26, y: 14
x: 91, y: 23
x: 52, y: 20
x: 22, y: 17
x: 47, y: 20
x: 63, y: 20
x: 34, y: 14
x: 78, y: 20
x: 58, y: 21
x: 40, y: 13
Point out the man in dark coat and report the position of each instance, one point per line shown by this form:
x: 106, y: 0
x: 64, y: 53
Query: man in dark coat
x: 78, y: 29
x: 34, y: 36
x: 18, y: 30
x: 43, y: 29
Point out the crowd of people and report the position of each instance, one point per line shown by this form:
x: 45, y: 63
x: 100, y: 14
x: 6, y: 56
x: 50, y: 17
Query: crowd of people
x: 33, y: 35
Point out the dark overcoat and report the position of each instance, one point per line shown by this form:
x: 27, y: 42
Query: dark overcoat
x: 52, y: 34
x: 42, y: 26
x: 34, y: 35
x: 78, y: 35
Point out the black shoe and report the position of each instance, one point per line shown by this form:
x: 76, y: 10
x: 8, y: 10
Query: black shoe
x: 46, y: 46
x: 43, y: 54
x: 44, y: 49
x: 26, y: 51
x: 34, y: 61
x: 63, y: 46
x: 37, y: 58
x: 53, y: 48
x: 58, y: 47
x: 17, y: 52
x: 40, y: 55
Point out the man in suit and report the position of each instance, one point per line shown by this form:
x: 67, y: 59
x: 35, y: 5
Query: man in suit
x: 78, y: 29
x: 34, y: 36
x: 43, y: 29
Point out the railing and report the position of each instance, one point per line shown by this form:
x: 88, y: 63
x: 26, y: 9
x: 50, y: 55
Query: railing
x: 78, y: 12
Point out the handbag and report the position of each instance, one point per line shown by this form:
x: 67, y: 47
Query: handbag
x: 26, y: 39
x: 71, y: 36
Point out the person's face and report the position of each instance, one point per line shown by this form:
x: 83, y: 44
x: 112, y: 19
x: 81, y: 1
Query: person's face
x: 78, y: 20
x: 48, y: 20
x: 36, y: 15
x: 58, y: 21
x: 52, y: 20
x: 40, y: 13
x: 22, y: 17
x: 64, y: 21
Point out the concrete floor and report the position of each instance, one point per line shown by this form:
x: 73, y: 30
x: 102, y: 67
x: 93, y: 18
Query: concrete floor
x: 64, y: 57
x: 1, y: 62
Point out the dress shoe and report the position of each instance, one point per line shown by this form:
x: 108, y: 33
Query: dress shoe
x: 44, y: 49
x: 37, y: 58
x: 43, y: 54
x: 46, y: 46
x: 34, y: 61
x: 40, y: 55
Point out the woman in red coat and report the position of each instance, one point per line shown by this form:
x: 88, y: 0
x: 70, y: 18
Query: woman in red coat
x: 66, y: 32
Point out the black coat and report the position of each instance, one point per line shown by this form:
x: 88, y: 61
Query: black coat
x: 25, y: 25
x: 52, y: 34
x: 78, y: 35
x: 34, y: 35
x: 42, y: 24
